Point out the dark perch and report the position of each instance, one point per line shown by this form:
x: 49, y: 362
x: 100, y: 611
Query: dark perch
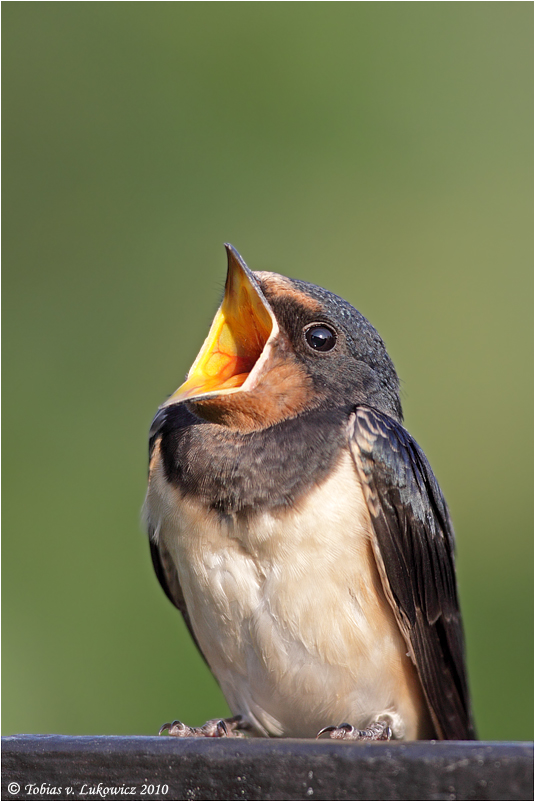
x: 264, y: 769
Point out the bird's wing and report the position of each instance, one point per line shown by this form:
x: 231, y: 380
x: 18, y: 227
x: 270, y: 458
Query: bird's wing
x: 162, y: 561
x: 168, y: 579
x: 414, y: 550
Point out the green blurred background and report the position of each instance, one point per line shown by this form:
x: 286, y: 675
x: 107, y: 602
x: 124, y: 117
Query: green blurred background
x: 382, y: 150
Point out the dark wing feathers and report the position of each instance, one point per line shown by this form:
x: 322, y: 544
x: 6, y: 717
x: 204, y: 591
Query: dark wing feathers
x: 168, y: 579
x: 166, y: 573
x: 162, y: 561
x: 415, y: 555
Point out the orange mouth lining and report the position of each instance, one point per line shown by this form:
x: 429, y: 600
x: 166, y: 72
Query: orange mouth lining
x: 237, y: 347
x: 239, y: 332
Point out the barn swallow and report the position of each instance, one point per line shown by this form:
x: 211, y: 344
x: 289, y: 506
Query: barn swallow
x: 299, y: 528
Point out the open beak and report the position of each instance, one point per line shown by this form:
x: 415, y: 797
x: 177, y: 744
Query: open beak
x: 232, y: 354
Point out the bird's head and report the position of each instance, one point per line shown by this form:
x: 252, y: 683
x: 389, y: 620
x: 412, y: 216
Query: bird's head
x: 278, y: 347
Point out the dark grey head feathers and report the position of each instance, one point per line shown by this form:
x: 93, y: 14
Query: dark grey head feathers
x: 358, y: 369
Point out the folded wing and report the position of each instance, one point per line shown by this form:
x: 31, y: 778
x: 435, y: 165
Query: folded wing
x: 414, y: 550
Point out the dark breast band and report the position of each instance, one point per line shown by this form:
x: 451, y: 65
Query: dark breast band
x: 234, y: 472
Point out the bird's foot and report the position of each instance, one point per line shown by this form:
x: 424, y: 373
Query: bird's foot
x: 377, y: 731
x: 215, y: 728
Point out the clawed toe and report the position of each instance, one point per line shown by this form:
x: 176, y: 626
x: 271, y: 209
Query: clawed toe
x: 215, y: 728
x: 377, y: 731
x: 343, y: 731
x: 177, y: 729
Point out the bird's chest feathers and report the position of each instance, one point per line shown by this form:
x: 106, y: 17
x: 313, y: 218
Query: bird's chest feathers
x: 280, y: 584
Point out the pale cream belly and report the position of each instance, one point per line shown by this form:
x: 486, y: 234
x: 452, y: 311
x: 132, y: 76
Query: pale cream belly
x: 290, y: 613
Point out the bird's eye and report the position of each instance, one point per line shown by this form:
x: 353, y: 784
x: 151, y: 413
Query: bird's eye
x: 320, y: 338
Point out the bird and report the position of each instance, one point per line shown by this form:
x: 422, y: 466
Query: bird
x: 299, y: 529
